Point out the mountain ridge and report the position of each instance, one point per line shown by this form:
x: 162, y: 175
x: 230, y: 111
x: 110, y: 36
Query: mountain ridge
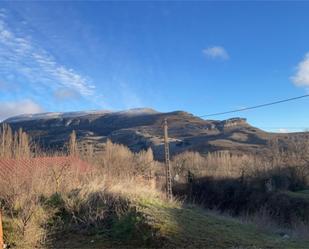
x: 141, y: 128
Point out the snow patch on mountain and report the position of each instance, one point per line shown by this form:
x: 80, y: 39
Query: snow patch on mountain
x: 55, y: 115
x: 51, y: 115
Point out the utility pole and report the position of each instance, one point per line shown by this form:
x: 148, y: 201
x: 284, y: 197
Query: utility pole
x: 3, y: 138
x: 1, y: 231
x: 169, y: 193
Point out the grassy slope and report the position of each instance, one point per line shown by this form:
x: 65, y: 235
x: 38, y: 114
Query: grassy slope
x: 304, y: 194
x: 190, y: 227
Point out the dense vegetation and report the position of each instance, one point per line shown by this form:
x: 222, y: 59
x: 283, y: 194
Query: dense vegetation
x: 119, y: 201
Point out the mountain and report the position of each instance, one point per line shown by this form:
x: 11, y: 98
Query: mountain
x: 142, y: 128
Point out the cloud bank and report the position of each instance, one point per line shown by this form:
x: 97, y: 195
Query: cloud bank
x: 23, y: 57
x: 13, y: 108
x: 301, y: 77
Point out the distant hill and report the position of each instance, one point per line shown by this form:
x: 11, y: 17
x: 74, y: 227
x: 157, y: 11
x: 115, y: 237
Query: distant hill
x: 142, y: 128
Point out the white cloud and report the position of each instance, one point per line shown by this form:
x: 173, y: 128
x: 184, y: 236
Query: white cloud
x: 12, y: 108
x: 301, y: 78
x: 216, y: 52
x: 20, y: 55
x: 283, y: 130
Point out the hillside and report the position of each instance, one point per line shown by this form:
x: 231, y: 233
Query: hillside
x: 142, y: 128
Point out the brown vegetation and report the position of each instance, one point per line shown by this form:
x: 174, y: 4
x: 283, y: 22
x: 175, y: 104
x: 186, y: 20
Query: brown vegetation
x: 14, y: 144
x: 29, y: 182
x: 39, y: 201
x: 250, y: 185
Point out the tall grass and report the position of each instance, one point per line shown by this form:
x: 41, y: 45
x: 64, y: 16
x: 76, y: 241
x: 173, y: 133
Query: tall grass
x: 39, y: 202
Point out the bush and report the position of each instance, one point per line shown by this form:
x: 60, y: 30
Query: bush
x: 246, y: 198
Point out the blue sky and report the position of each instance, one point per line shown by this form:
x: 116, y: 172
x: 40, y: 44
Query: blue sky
x: 202, y: 57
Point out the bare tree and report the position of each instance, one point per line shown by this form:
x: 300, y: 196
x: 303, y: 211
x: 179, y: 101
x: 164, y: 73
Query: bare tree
x: 6, y: 141
x: 14, y: 146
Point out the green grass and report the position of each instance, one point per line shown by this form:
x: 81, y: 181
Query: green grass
x: 8, y: 229
x: 304, y: 194
x: 192, y: 227
x: 178, y: 226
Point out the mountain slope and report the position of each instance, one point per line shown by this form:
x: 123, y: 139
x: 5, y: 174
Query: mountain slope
x: 142, y: 128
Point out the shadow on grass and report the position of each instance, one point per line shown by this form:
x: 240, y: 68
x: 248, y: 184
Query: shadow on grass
x: 247, y: 197
x: 188, y: 226
x: 104, y: 220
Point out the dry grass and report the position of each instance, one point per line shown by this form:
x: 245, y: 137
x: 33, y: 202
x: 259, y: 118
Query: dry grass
x: 290, y: 162
x: 30, y: 205
x: 39, y: 202
x: 30, y: 195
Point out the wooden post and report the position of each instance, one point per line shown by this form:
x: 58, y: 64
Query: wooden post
x: 169, y: 193
x: 1, y: 232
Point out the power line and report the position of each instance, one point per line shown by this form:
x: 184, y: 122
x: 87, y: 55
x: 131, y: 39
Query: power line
x: 255, y: 107
x: 284, y: 127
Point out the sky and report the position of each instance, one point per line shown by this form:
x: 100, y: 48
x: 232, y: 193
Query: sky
x: 200, y: 57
